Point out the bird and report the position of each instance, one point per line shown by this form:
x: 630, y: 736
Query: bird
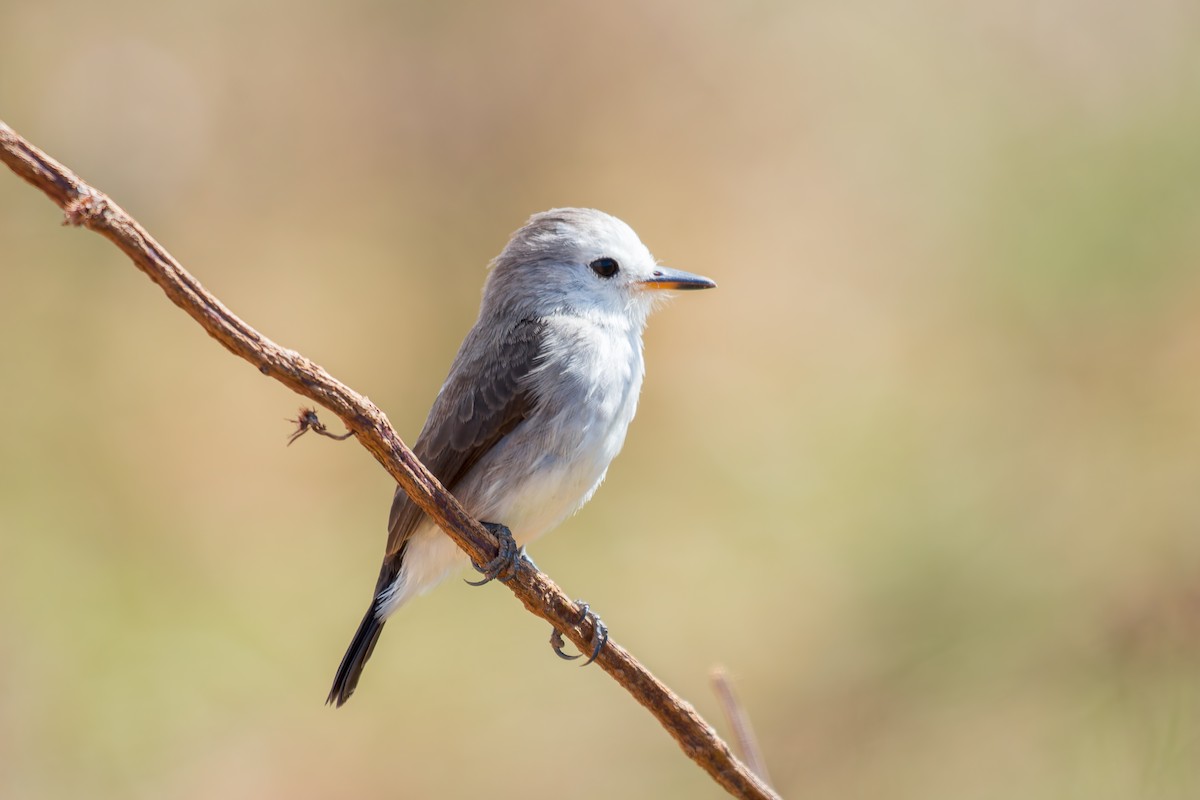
x: 535, y: 407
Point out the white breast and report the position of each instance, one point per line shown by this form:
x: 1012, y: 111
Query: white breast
x: 545, y: 469
x: 587, y: 383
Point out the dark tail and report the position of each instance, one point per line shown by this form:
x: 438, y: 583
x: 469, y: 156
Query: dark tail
x: 356, y: 657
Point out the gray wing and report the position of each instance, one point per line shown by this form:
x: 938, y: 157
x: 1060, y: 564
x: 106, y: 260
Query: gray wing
x: 485, y: 396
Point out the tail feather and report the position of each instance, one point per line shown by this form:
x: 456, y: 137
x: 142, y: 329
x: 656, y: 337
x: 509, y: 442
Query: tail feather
x: 363, y: 643
x: 361, y: 647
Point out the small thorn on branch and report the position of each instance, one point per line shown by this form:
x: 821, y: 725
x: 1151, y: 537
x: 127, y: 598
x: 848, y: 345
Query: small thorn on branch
x: 308, y: 421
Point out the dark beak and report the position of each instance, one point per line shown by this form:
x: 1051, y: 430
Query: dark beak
x: 663, y: 278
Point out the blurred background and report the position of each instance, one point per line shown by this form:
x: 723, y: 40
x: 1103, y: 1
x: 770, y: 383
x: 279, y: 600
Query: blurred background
x: 921, y: 473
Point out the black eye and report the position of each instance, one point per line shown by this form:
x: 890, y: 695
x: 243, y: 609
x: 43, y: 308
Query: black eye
x: 605, y: 267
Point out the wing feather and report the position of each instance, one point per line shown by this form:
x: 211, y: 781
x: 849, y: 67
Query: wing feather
x: 486, y: 395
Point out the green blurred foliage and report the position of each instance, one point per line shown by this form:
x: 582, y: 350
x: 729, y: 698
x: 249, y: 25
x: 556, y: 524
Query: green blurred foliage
x: 922, y: 473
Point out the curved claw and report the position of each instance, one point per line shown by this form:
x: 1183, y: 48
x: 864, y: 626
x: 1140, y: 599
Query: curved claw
x: 507, y: 561
x: 557, y: 643
x: 599, y: 639
x: 599, y: 635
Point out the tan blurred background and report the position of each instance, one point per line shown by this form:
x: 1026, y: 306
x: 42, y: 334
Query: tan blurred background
x: 922, y: 473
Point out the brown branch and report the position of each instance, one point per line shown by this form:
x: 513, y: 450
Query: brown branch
x: 89, y: 208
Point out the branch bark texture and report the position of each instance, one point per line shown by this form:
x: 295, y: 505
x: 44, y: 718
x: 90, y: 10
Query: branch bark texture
x: 87, y: 207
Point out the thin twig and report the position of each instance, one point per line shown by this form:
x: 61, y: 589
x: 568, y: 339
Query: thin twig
x: 89, y: 208
x: 309, y: 421
x: 739, y: 722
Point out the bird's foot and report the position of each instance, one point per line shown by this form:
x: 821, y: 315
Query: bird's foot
x: 507, y: 561
x: 599, y: 635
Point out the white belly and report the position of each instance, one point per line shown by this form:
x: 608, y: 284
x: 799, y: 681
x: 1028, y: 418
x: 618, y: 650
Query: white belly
x: 549, y: 465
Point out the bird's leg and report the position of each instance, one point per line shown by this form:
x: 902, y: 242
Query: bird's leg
x: 507, y: 561
x: 599, y: 635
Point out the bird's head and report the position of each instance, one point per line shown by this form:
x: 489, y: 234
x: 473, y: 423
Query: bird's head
x: 580, y: 261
